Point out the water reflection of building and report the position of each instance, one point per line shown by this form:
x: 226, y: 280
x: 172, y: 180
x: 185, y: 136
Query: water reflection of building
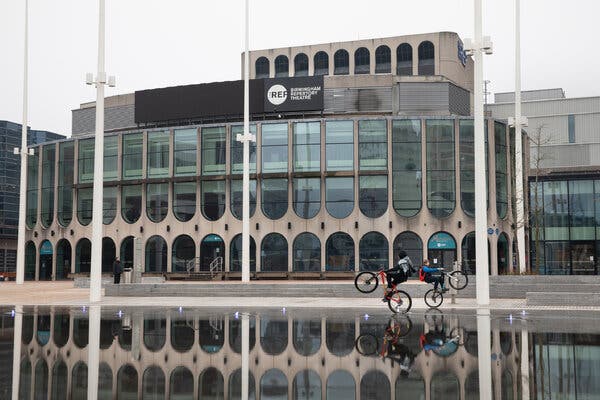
x: 291, y: 356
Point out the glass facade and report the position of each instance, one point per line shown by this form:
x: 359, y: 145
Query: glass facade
x: 66, y: 159
x: 373, y: 195
x: 212, y: 196
x: 237, y: 150
x: 158, y: 154
x: 406, y: 167
x: 132, y: 159
x: 372, y: 145
x: 157, y: 201
x: 307, y: 253
x: 109, y: 207
x: 274, y: 193
x: 236, y: 195
x: 339, y: 196
x: 307, y: 197
x: 184, y: 200
x: 213, y: 150
x: 339, y: 145
x: 185, y: 144
x: 48, y: 168
x: 111, y: 158
x: 85, y: 161
x: 501, y: 170
x: 131, y: 203
x: 307, y: 146
x: 84, y: 205
x: 441, y: 188
x: 274, y: 147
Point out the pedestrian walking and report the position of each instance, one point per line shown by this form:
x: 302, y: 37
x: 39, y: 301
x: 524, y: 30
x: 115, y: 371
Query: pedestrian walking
x: 117, y: 271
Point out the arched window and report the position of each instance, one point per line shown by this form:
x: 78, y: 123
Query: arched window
x: 412, y: 244
x: 79, y: 381
x: 339, y: 196
x: 339, y: 252
x: 213, y: 199
x: 406, y: 167
x: 153, y: 383
x: 48, y: 162
x: 27, y: 332
x: 43, y: 329
x: 307, y: 197
x: 426, y: 58
x: 127, y: 382
x: 306, y: 385
x: 444, y: 385
x: 362, y: 61
x: 30, y: 260
x: 156, y: 254
x: 307, y: 336
x: 503, y: 254
x: 404, y: 60
x: 181, y: 384
x: 341, y: 385
x: 237, y: 197
x: 104, y: 381
x: 41, y: 377
x: 501, y: 170
x: 126, y: 253
x: 32, y: 190
x: 441, y: 250
x: 235, y: 385
x: 235, y: 254
x: 307, y: 252
x: 383, y: 60
x: 273, y: 385
x: 373, y: 249
x: 274, y: 253
x: 66, y: 162
x: 235, y: 334
x: 81, y: 331
x: 274, y: 193
x: 468, y: 253
x: 109, y: 206
x: 467, y: 166
x: 472, y: 383
x: 25, y: 378
x: 45, y: 261
x: 211, y: 384
x: 410, y: 385
x: 373, y: 195
x: 262, y: 68
x: 211, y: 334
x: 60, y: 377
x: 282, y: 67
x: 441, y: 190
x: 83, y: 255
x: 183, y: 254
x: 155, y: 333
x: 84, y: 205
x: 321, y: 61
x: 375, y: 385
x: 60, y: 329
x: 212, y: 252
x: 157, y: 201
x: 301, y: 65
x: 182, y: 335
x: 184, y: 200
x: 131, y: 203
x: 273, y: 335
x: 63, y: 259
x: 109, y: 253
x: 339, y: 337
x: 341, y: 62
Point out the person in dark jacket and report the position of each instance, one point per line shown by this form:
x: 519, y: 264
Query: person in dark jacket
x: 117, y: 271
x: 400, y: 273
x: 429, y: 272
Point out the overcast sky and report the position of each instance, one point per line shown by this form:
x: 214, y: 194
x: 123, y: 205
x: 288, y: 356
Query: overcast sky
x: 153, y: 43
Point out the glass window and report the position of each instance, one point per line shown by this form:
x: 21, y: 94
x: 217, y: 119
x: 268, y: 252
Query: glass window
x: 501, y: 170
x: 273, y: 385
x: 404, y: 59
x: 375, y: 385
x: 274, y: 197
x: 185, y: 142
x: 536, y: 210
x: 372, y: 148
x: 373, y: 195
x: 83, y: 257
x: 184, y: 254
x: 84, y: 205
x: 306, y: 337
x: 373, y: 249
x: 307, y: 197
x: 273, y: 335
x: 341, y: 385
x: 109, y: 204
x: 157, y: 201
x: 341, y: 62
x: 340, y: 337
x: 213, y: 150
x: 184, y: 200
x: 237, y: 150
x: 59, y: 380
x: 132, y: 156
x: 339, y: 148
x: 307, y: 252
x: 156, y: 255
x: 301, y: 65
x: 339, y: 252
x: 426, y: 58
x: 235, y: 385
x: 274, y: 147
x: 153, y: 383
x: 181, y: 384
x: 282, y: 67
x: 467, y: 167
x: 211, y: 385
x: 571, y: 128
x: 556, y: 210
x: 127, y: 382
x: 48, y: 161
x: 406, y: 167
x: 262, y: 68
x: 32, y: 189
x: 213, y: 199
x: 444, y: 385
x: 274, y: 253
x: 158, y: 154
x: 383, y: 60
x: 307, y: 385
x: 307, y: 146
x: 111, y: 158
x: 66, y: 160
x: 321, y: 62
x: 362, y: 61
x: 235, y: 254
x: 85, y: 166
x: 412, y: 244
x: 557, y: 258
x: 440, y: 167
x: 237, y: 197
x: 339, y: 196
x: 126, y: 252
x: 581, y: 210
x: 109, y: 253
x: 131, y: 203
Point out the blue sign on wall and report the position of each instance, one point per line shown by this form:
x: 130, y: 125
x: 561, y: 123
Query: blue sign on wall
x: 441, y: 241
x: 490, y: 231
x: 46, y: 248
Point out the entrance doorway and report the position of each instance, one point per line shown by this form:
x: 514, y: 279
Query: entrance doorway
x: 212, y: 250
x: 583, y: 260
x: 45, y: 272
x: 441, y: 250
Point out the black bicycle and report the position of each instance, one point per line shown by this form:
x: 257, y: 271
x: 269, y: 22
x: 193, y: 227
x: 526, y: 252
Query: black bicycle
x: 456, y: 279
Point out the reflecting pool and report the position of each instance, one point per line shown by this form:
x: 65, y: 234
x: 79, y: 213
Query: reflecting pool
x: 61, y: 353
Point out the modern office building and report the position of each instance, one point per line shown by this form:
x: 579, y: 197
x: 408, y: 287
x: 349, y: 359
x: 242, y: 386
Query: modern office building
x: 10, y: 167
x: 564, y: 183
x: 349, y: 166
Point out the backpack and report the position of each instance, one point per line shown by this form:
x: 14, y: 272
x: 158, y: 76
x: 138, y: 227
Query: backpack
x: 421, y: 275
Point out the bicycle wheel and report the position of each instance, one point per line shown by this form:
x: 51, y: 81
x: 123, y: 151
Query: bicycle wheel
x: 399, y: 302
x: 366, y: 344
x: 434, y: 318
x: 434, y: 298
x: 366, y: 282
x: 458, y: 280
x: 400, y: 325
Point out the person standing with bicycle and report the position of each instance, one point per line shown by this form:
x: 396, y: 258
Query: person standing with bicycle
x: 426, y: 274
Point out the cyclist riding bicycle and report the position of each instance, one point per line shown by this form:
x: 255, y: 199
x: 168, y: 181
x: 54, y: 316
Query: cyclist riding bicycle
x: 426, y: 274
x: 394, y: 276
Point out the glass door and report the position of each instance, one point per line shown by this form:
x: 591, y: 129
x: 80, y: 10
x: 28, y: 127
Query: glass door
x: 583, y: 260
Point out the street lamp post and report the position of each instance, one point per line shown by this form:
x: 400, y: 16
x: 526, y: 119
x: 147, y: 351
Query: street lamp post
x: 100, y: 81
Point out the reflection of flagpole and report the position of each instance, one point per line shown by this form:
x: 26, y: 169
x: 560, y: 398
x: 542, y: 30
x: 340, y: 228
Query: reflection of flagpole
x: 484, y: 354
x: 245, y: 354
x: 17, y: 331
x: 93, y: 351
x: 524, y: 365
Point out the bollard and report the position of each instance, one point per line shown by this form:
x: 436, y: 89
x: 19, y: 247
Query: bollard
x: 453, y: 291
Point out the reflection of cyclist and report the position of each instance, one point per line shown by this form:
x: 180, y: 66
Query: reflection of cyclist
x: 426, y: 274
x: 400, y: 273
x: 400, y: 354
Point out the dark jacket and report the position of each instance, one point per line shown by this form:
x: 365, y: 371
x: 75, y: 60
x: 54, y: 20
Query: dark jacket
x: 117, y: 269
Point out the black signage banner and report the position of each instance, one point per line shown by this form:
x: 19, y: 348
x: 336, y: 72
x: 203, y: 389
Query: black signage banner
x: 294, y: 94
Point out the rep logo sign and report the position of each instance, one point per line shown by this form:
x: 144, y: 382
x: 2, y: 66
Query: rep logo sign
x: 277, y: 94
